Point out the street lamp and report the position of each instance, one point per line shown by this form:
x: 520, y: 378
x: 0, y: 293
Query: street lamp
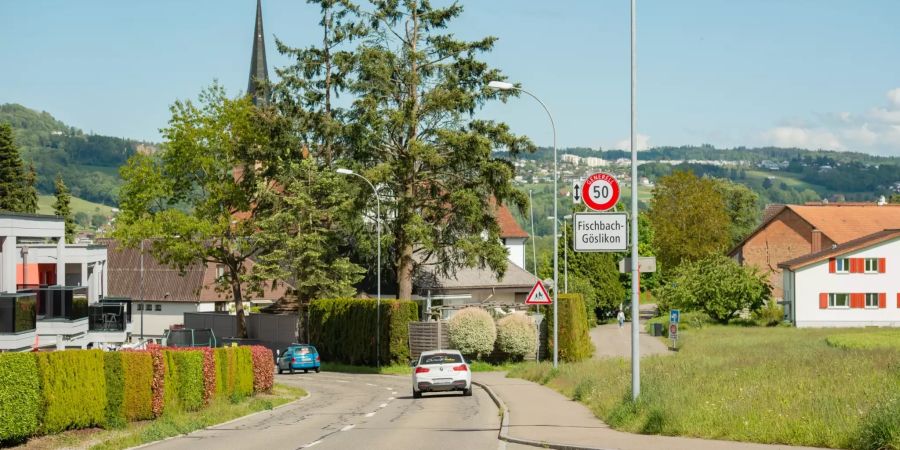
x: 565, y: 252
x: 343, y: 171
x: 504, y: 86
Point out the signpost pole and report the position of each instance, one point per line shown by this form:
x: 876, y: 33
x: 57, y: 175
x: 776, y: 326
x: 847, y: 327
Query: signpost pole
x: 635, y: 275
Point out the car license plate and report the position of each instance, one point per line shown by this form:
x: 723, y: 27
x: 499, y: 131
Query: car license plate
x: 443, y: 381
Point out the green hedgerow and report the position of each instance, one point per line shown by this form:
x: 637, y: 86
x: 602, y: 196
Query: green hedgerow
x: 516, y: 336
x: 472, y: 332
x: 137, y: 368
x: 243, y: 386
x: 73, y: 384
x: 20, y: 397
x: 115, y: 390
x: 184, y: 379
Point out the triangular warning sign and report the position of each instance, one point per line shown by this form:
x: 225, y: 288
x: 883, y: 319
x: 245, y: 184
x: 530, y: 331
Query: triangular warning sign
x: 538, y: 295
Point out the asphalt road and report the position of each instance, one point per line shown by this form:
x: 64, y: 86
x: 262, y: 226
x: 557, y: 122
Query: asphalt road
x: 346, y: 411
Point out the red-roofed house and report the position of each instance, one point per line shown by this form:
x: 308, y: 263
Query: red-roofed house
x: 793, y: 231
x: 853, y: 284
x: 513, y: 236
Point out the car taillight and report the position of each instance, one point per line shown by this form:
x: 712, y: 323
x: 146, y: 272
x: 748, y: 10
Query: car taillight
x: 293, y: 360
x: 461, y: 368
x: 317, y: 358
x: 421, y: 369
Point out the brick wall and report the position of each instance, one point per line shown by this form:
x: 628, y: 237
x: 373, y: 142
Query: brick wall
x: 785, y: 237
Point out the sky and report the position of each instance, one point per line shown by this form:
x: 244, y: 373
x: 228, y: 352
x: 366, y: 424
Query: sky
x: 807, y: 73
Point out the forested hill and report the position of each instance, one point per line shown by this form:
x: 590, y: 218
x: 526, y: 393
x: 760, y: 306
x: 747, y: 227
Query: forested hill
x: 88, y: 163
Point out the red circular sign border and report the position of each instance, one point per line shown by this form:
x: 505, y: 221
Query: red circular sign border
x: 585, y: 191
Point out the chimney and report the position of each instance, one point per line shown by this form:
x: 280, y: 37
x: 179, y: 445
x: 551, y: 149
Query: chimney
x: 816, y: 241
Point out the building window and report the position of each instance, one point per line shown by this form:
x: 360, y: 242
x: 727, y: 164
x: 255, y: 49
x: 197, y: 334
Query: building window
x: 159, y: 307
x: 871, y: 265
x: 220, y: 272
x: 839, y: 300
x: 140, y: 307
x: 871, y: 300
x: 842, y: 265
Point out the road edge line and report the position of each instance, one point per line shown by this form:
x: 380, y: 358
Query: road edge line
x: 308, y: 394
x: 504, y: 426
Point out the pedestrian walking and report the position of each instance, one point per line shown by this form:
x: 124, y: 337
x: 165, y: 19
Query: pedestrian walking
x: 621, y: 318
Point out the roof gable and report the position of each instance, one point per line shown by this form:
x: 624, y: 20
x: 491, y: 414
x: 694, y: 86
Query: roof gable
x: 862, y: 243
x: 846, y: 222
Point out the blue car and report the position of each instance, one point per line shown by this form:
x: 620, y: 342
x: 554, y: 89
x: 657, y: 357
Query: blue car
x: 299, y: 357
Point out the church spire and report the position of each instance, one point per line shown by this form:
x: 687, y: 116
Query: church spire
x: 259, y: 71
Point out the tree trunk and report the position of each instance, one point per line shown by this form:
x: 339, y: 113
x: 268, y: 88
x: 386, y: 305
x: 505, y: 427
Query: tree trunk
x: 238, y: 304
x: 405, y: 269
x: 405, y: 273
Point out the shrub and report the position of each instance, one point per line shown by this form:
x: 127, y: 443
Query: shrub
x: 184, y: 379
x: 115, y: 390
x: 517, y: 336
x: 574, y: 338
x: 263, y: 369
x: 472, y: 332
x: 20, y: 397
x: 158, y: 385
x: 73, y: 385
x: 769, y: 315
x: 137, y: 368
x: 243, y: 385
x: 344, y: 330
x: 718, y: 286
x: 209, y: 375
x: 224, y: 373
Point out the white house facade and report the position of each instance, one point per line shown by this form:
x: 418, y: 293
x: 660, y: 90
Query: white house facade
x: 855, y: 284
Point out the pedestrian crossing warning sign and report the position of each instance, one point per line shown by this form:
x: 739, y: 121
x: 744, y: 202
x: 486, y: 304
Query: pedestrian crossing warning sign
x: 538, y: 295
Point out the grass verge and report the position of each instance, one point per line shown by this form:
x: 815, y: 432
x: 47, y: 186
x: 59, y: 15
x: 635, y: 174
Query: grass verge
x: 866, y: 340
x: 401, y: 369
x: 767, y: 385
x: 172, y: 423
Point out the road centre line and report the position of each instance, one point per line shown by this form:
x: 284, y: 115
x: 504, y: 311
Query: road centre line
x: 370, y: 414
x: 312, y: 444
x: 382, y: 405
x: 348, y: 428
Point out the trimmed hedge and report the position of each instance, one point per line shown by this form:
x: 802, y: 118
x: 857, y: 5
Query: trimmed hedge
x: 20, y: 397
x: 234, y: 372
x: 243, y: 386
x: 184, y: 379
x: 516, y: 336
x: 344, y: 329
x: 574, y: 338
x: 263, y: 369
x: 73, y: 384
x: 115, y: 390
x: 158, y: 384
x: 138, y: 375
x: 472, y: 331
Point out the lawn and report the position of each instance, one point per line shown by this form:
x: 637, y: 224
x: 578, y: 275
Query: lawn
x: 170, y: 424
x: 45, y: 206
x: 769, y: 385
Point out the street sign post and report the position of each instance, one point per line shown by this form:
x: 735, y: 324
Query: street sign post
x: 674, y: 316
x: 538, y: 295
x: 674, y: 319
x: 600, y: 232
x: 646, y: 264
x: 600, y: 191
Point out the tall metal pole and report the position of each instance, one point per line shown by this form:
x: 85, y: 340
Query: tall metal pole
x: 142, y: 290
x: 566, y: 250
x: 533, y: 236
x: 635, y: 275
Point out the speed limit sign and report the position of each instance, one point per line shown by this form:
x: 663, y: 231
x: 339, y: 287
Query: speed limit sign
x: 600, y: 191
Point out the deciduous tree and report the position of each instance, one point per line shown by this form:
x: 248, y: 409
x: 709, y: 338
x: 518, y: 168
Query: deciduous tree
x: 742, y: 207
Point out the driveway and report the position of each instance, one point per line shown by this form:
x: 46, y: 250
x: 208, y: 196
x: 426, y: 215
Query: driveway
x: 611, y: 341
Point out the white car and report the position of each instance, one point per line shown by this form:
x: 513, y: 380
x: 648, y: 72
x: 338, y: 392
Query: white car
x: 441, y: 371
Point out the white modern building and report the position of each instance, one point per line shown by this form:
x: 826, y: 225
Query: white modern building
x: 854, y: 284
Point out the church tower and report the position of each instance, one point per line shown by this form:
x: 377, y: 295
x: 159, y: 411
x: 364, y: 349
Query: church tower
x: 259, y: 72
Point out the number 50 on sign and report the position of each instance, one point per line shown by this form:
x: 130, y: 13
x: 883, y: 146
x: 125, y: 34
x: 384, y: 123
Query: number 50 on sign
x: 600, y: 191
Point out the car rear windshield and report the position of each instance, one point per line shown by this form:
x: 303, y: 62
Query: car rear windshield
x: 304, y: 350
x: 442, y: 358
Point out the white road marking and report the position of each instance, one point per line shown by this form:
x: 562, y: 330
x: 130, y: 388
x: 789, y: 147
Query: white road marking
x: 370, y: 414
x: 348, y: 428
x: 390, y: 389
x: 312, y: 444
x: 390, y: 398
x: 382, y: 405
x: 342, y: 381
x: 369, y: 384
x: 394, y: 393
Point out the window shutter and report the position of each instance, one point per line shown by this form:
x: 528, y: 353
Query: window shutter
x: 854, y: 265
x: 831, y: 265
x: 898, y: 300
x: 823, y: 301
x: 881, y: 265
x: 855, y: 300
x: 882, y: 300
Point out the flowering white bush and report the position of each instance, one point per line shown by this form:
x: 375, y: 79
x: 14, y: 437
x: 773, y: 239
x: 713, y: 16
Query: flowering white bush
x: 472, y: 331
x: 517, y: 336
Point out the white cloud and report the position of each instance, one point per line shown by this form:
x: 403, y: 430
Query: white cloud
x: 893, y: 96
x: 642, y: 143
x: 814, y: 138
x: 876, y: 130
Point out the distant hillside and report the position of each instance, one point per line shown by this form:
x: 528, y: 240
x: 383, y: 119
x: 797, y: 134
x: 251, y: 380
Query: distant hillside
x: 88, y: 163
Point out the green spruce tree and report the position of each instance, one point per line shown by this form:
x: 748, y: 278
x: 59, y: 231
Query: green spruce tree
x: 63, y: 208
x: 12, y: 174
x: 29, y: 195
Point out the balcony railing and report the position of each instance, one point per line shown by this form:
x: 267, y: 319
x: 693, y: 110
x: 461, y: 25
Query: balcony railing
x: 18, y: 312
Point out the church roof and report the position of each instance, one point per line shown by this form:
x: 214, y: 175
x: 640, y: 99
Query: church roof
x: 259, y: 71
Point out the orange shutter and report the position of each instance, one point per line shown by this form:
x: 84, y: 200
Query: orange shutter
x: 881, y: 265
x: 823, y: 301
x: 898, y: 300
x: 882, y: 300
x: 831, y: 265
x: 855, y: 264
x: 857, y: 300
